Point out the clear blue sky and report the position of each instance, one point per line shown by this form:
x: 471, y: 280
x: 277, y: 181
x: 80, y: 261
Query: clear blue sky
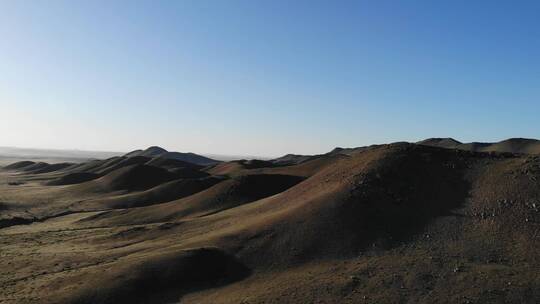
x: 266, y: 77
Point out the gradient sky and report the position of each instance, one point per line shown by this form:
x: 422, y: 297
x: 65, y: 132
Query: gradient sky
x: 266, y: 77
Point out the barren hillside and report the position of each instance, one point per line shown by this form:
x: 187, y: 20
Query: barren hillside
x: 397, y: 223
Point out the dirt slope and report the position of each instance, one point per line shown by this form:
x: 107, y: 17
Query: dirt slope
x: 165, y: 192
x: 18, y: 165
x: 399, y: 223
x: 132, y: 177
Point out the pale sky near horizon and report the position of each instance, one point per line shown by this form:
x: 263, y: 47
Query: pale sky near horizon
x: 266, y: 78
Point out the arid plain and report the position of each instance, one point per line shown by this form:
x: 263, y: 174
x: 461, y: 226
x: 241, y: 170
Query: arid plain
x: 437, y: 221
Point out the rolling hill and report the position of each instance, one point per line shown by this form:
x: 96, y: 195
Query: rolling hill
x: 432, y: 222
x: 512, y: 145
x: 189, y: 157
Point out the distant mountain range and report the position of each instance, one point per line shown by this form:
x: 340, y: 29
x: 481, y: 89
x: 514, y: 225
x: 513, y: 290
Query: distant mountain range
x: 512, y: 145
x: 10, y: 154
x: 13, y: 154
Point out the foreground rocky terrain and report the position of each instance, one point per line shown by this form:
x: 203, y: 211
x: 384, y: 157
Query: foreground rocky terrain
x: 396, y: 223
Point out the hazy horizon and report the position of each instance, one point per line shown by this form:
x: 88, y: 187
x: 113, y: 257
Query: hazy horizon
x: 218, y: 156
x: 39, y: 153
x: 265, y: 78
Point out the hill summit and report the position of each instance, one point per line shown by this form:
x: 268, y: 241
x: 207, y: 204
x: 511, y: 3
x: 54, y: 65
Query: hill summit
x: 155, y: 152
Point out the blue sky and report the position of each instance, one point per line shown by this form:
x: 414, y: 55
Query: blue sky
x: 266, y: 77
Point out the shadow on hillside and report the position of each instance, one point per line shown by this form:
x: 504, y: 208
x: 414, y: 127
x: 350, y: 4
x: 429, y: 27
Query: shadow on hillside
x: 167, y: 279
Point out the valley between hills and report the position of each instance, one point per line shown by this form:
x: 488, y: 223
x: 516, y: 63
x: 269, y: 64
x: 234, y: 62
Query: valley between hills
x: 438, y: 221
